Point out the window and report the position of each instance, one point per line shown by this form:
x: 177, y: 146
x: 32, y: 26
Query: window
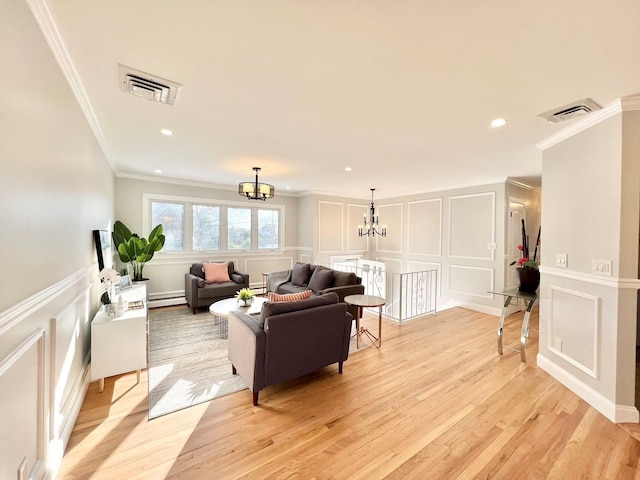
x: 239, y: 228
x: 268, y: 229
x: 206, y: 227
x: 201, y: 225
x: 171, y: 216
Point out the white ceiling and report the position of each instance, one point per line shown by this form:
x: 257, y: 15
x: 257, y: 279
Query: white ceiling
x: 402, y: 91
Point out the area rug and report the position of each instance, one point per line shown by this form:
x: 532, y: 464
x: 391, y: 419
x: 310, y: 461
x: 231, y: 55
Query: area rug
x: 188, y: 361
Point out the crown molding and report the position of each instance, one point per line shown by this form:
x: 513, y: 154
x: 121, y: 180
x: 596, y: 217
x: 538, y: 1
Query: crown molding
x: 50, y: 31
x: 625, y: 104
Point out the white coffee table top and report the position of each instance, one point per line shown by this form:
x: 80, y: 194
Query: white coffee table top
x: 223, y: 307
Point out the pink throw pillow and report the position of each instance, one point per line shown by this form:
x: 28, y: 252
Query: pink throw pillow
x: 288, y: 297
x: 216, y: 272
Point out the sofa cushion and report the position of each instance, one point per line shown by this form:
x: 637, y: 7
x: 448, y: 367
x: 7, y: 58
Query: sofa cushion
x: 289, y: 297
x: 197, y: 270
x: 217, y: 290
x: 341, y: 279
x: 269, y: 309
x: 236, y: 277
x: 321, y: 278
x: 216, y: 272
x: 300, y: 274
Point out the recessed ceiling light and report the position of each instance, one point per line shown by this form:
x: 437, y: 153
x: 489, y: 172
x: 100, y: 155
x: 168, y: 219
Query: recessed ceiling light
x: 498, y: 122
x: 158, y: 171
x: 166, y: 131
x: 347, y: 169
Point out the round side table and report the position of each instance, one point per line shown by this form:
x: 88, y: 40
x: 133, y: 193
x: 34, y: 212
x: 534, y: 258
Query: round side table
x: 362, y: 302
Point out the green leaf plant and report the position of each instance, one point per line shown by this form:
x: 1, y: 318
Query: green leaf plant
x: 135, y: 250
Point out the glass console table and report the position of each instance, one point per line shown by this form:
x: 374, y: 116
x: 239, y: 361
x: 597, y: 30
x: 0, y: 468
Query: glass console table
x: 530, y: 299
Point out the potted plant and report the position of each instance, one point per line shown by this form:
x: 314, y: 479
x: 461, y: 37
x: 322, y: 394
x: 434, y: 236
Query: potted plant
x: 527, y: 274
x: 245, y: 297
x: 134, y: 250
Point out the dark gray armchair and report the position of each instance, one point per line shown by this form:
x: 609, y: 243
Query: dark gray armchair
x: 200, y: 294
x: 288, y: 340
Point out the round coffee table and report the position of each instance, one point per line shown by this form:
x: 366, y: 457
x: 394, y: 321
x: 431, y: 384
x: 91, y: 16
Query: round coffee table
x: 220, y: 310
x: 362, y: 302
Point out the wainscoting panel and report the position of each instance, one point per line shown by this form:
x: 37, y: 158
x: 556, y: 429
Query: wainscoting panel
x: 425, y: 227
x: 355, y: 217
x: 391, y: 216
x: 474, y: 281
x: 68, y: 349
x: 574, y: 326
x: 330, y: 227
x: 22, y: 415
x: 472, y: 213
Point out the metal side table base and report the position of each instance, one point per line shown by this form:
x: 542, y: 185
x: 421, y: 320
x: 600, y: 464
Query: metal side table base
x: 530, y: 298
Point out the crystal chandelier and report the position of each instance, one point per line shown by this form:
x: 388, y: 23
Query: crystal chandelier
x: 256, y: 190
x: 370, y: 227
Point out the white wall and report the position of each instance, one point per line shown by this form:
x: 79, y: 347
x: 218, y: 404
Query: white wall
x: 55, y: 189
x: 591, y: 211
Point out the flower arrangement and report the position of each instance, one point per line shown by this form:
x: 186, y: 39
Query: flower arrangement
x: 109, y: 278
x: 525, y: 261
x: 245, y: 294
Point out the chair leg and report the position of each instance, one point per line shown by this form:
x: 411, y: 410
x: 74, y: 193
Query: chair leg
x: 233, y: 370
x: 255, y: 399
x: 194, y: 310
x: 340, y: 367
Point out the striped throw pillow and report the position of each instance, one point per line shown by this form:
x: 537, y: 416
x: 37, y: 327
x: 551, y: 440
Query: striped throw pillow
x: 288, y: 297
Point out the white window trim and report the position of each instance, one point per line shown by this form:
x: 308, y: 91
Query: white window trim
x: 147, y: 198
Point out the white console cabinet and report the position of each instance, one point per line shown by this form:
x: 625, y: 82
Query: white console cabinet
x: 119, y: 343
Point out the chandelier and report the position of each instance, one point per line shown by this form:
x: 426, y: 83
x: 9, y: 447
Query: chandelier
x: 256, y: 190
x: 370, y: 227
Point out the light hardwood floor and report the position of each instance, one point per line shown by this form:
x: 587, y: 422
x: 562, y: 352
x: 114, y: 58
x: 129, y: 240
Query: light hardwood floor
x: 435, y: 402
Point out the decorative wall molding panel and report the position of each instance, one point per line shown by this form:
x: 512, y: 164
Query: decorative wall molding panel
x: 474, y: 281
x: 22, y: 373
x: 424, y: 221
x: 474, y: 212
x: 330, y: 227
x: 355, y: 214
x: 391, y: 216
x: 574, y: 326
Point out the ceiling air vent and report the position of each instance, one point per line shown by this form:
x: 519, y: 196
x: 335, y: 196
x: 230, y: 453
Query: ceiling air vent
x: 145, y: 85
x: 572, y: 110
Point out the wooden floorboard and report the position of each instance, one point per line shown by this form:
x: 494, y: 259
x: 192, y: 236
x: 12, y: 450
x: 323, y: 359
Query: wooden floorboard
x: 435, y: 402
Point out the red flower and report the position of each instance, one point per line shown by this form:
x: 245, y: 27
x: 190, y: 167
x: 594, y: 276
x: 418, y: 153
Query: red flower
x: 522, y: 261
x: 521, y: 248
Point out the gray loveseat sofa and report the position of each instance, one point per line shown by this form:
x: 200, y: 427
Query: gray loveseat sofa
x: 288, y: 340
x: 200, y: 294
x: 319, y: 279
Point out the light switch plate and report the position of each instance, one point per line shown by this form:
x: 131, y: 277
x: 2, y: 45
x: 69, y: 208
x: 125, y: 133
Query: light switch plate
x: 601, y: 267
x: 561, y: 260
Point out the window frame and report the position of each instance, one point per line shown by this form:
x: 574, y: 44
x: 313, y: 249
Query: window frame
x: 189, y: 202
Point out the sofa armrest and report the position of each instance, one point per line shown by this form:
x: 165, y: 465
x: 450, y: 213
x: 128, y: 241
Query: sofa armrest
x: 247, y: 345
x: 191, y: 289
x: 275, y: 279
x: 240, y: 278
x: 343, y: 291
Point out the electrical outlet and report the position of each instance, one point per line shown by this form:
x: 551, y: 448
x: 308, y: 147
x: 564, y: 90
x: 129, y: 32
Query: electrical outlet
x: 558, y: 344
x: 561, y: 260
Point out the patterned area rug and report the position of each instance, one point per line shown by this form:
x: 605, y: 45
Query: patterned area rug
x: 188, y: 360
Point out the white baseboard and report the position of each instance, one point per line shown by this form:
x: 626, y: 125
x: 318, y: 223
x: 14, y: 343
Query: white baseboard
x: 615, y: 413
x: 476, y: 307
x: 167, y: 302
